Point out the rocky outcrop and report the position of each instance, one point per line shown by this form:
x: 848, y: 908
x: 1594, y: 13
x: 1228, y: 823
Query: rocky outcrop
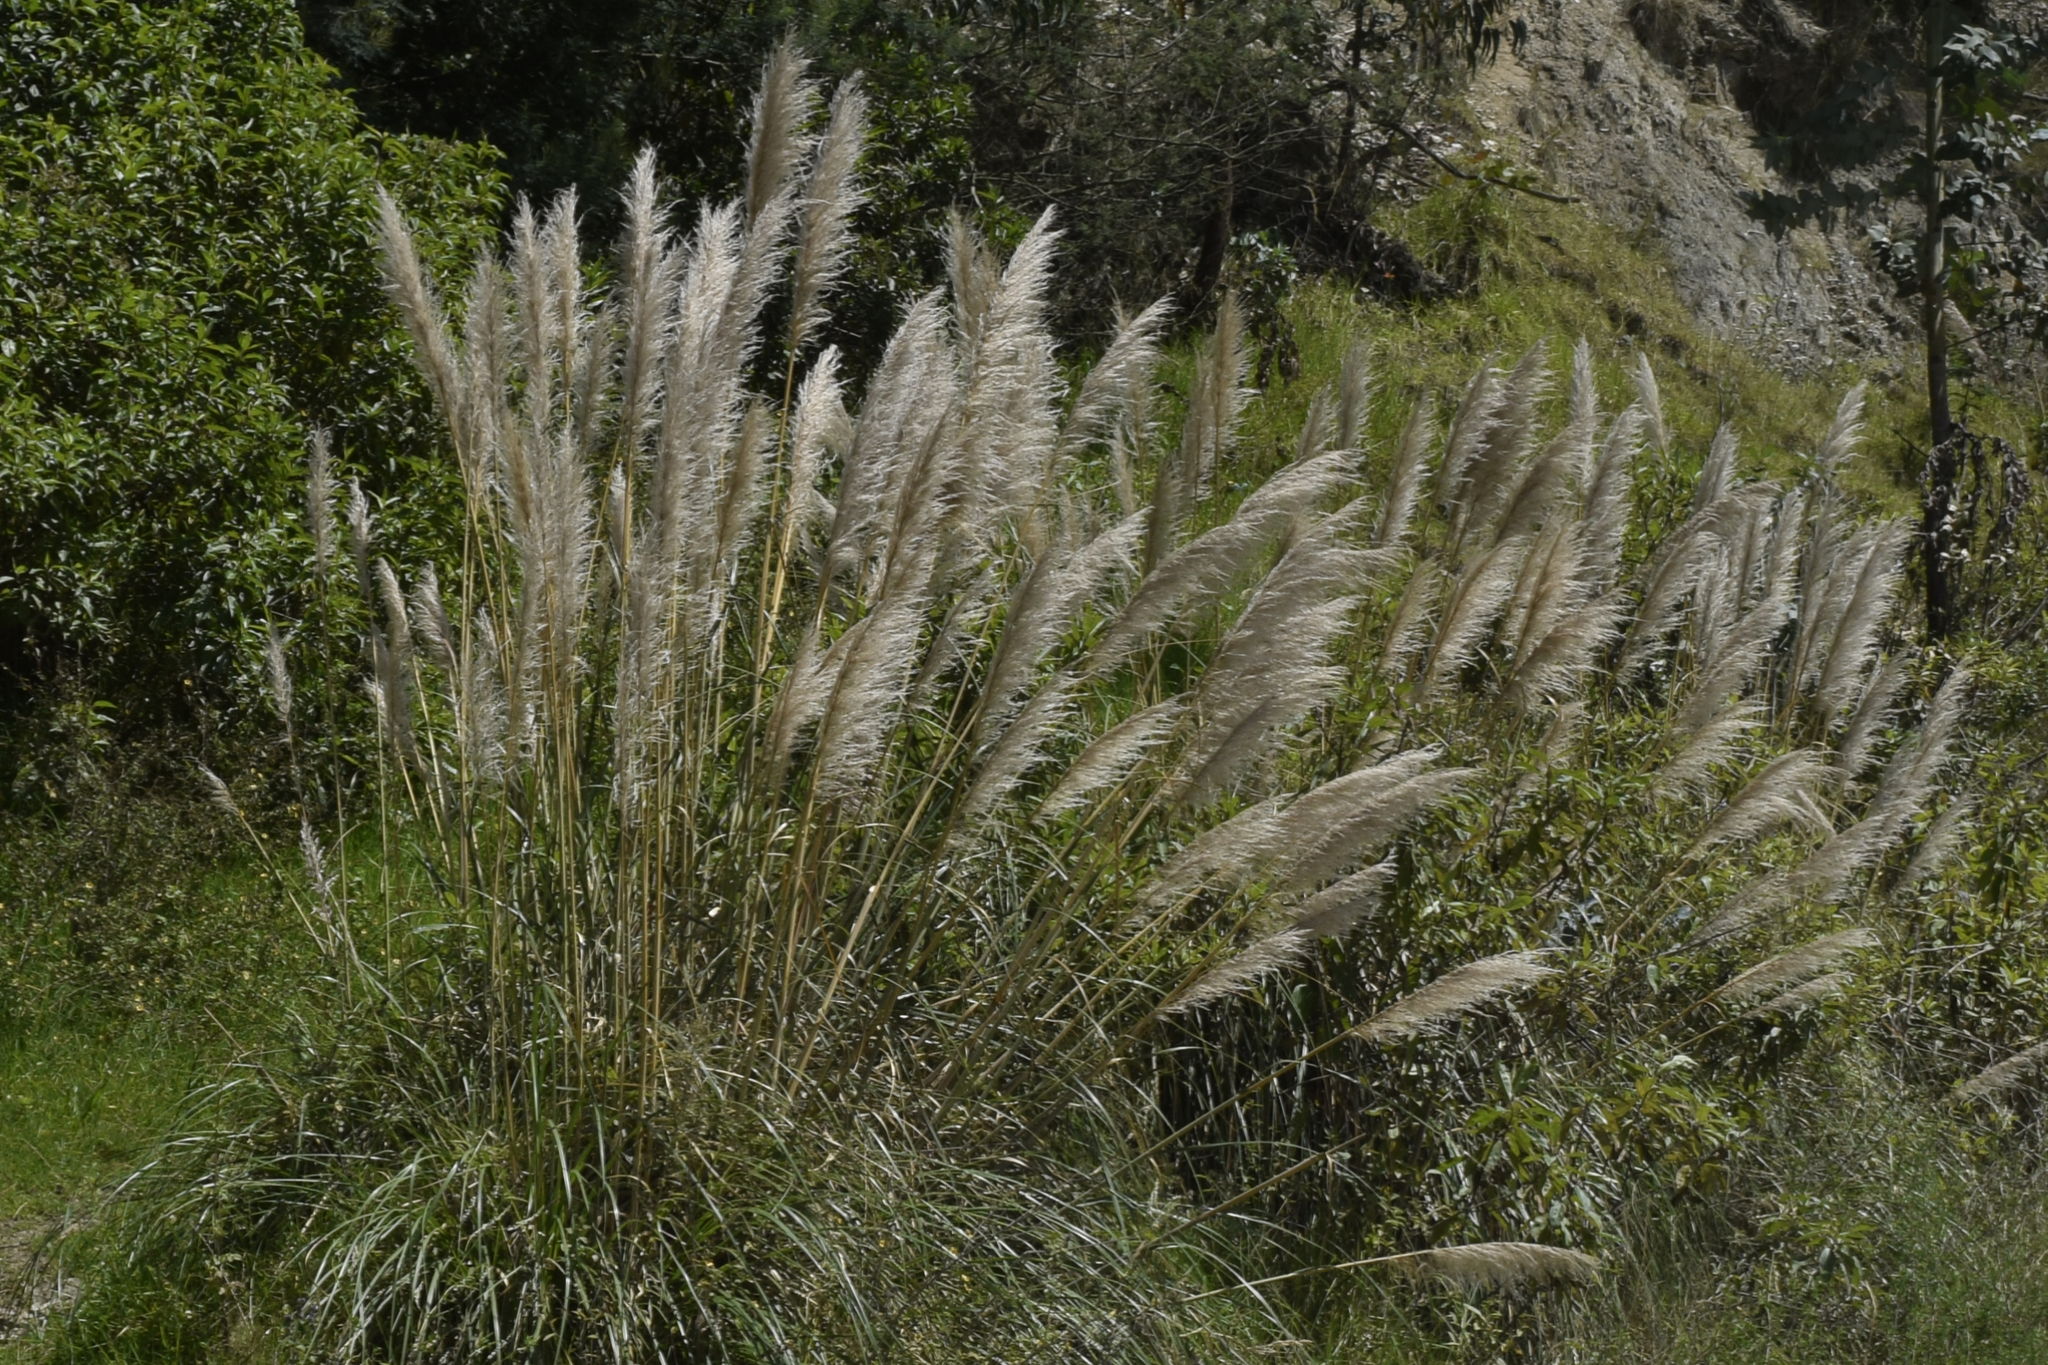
x: 1662, y: 115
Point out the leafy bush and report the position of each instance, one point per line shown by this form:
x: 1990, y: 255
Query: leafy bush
x: 189, y: 282
x: 981, y: 843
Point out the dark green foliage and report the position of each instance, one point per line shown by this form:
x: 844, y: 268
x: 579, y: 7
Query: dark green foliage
x: 1160, y: 130
x: 188, y: 285
x: 570, y: 92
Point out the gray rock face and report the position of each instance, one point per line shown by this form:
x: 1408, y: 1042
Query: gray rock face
x: 1638, y: 107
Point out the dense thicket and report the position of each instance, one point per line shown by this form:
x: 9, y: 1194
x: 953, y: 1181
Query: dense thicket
x: 189, y: 284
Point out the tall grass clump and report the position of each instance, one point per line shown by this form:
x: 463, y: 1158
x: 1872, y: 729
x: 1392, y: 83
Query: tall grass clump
x: 845, y: 857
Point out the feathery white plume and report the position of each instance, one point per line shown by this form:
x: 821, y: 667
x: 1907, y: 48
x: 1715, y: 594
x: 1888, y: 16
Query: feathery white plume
x: 1652, y: 404
x: 1717, y: 475
x: 280, y: 676
x: 647, y: 279
x: 1112, y: 755
x: 1117, y: 383
x: 1866, y: 723
x: 1607, y: 495
x: 1735, y: 663
x: 1843, y: 433
x: 1584, y: 407
x: 821, y: 426
x: 1330, y: 915
x: 1317, y: 427
x: 1691, y: 770
x: 1793, y: 966
x: 1206, y: 565
x: 1354, y: 396
x: 1411, y: 471
x: 320, y: 503
x: 1854, y: 636
x: 1493, y: 475
x: 1997, y: 1079
x: 1780, y: 794
x: 1504, y: 1266
x: 1802, y: 997
x: 824, y: 236
x: 406, y: 282
x: 1453, y: 995
x: 1475, y: 603
x: 1408, y: 629
x: 775, y: 143
x: 1467, y: 434
x: 217, y: 792
x: 1938, y: 844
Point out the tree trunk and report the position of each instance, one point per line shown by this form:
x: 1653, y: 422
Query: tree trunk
x: 1355, y: 53
x: 1215, y: 242
x: 1933, y: 262
x: 1938, y: 480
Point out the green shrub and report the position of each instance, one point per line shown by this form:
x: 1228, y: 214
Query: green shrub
x: 189, y: 282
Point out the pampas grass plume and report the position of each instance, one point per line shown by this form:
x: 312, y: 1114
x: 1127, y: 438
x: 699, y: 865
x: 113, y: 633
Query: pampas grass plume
x: 1995, y: 1080
x: 1454, y: 995
x: 1794, y: 966
x: 1504, y: 1266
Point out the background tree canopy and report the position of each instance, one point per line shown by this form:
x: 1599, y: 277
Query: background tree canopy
x: 1161, y: 130
x: 186, y: 284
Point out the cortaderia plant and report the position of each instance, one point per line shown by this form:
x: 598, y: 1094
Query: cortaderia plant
x: 858, y: 842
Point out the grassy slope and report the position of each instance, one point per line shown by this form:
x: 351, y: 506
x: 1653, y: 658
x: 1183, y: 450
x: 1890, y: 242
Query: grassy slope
x: 84, y: 1089
x: 138, y: 950
x: 1550, y: 272
x: 1938, y: 1258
